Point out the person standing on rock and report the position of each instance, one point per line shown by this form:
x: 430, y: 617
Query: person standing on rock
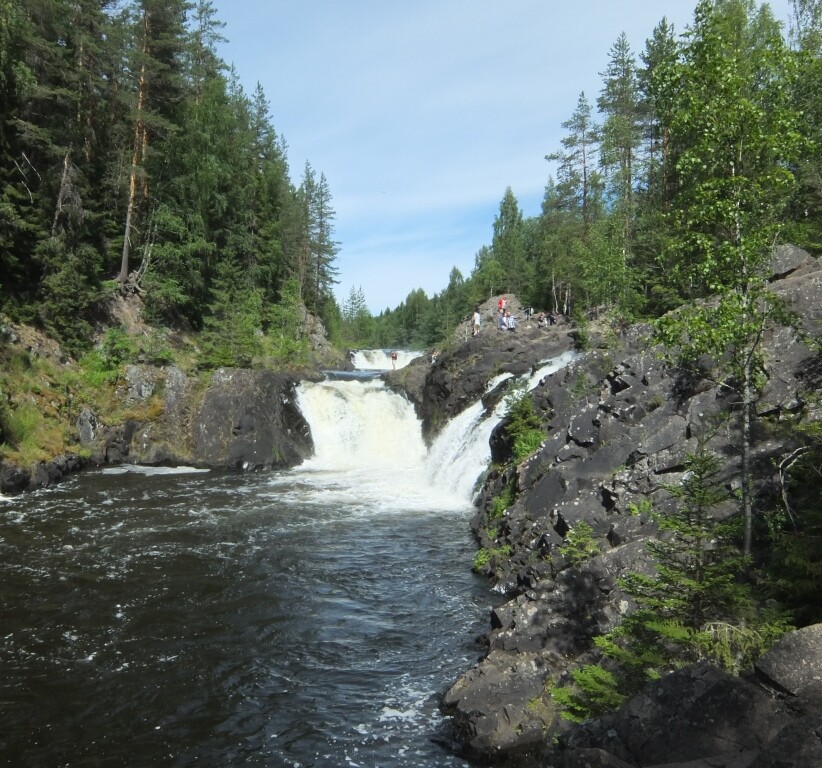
x: 394, y: 360
x: 476, y: 322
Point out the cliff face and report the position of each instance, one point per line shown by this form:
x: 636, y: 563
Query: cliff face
x: 238, y: 419
x: 620, y: 427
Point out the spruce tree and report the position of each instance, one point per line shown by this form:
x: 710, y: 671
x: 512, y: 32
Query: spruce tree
x: 692, y: 606
x: 508, y: 246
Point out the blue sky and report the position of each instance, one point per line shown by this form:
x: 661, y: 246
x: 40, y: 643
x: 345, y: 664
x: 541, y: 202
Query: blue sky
x: 421, y: 112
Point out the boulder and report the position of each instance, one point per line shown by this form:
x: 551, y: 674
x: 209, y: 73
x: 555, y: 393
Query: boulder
x: 249, y: 419
x: 794, y: 664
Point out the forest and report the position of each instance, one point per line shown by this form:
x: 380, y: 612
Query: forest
x: 132, y: 161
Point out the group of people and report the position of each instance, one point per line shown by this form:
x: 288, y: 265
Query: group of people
x: 508, y: 322
x: 505, y: 320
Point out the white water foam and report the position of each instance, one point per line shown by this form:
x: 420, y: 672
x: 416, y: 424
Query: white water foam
x: 370, y: 454
x: 369, y: 450
x: 380, y: 359
x: 149, y: 471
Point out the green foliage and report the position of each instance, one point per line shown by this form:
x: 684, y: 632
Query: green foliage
x: 21, y: 428
x: 792, y: 562
x: 96, y: 371
x: 503, y: 501
x: 508, y: 246
x: 735, y: 647
x: 644, y: 507
x: 580, y: 544
x: 490, y: 555
x: 734, y: 129
x: 284, y: 341
x: 6, y: 435
x: 697, y: 564
x: 593, y: 691
x: 694, y: 606
x: 68, y: 294
x: 157, y: 350
x: 117, y: 348
x: 522, y: 424
x: 581, y: 338
x: 232, y: 336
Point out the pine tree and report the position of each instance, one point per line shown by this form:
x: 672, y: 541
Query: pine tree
x: 579, y: 183
x: 620, y: 103
x: 323, y: 246
x: 693, y: 606
x: 232, y: 335
x: 157, y: 60
x: 507, y: 244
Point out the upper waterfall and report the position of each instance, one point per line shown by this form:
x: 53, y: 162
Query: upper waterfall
x: 380, y: 359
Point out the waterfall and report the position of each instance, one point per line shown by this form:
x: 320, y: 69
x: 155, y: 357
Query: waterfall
x: 380, y: 359
x: 358, y: 424
x: 460, y: 455
x: 372, y: 435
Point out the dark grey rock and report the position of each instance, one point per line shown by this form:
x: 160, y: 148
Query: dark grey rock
x: 794, y: 664
x: 13, y: 479
x: 87, y: 425
x: 617, y: 440
x: 249, y: 419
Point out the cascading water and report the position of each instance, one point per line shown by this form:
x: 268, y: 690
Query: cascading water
x: 310, y: 617
x: 460, y: 454
x: 369, y: 447
x: 380, y: 359
x: 373, y: 435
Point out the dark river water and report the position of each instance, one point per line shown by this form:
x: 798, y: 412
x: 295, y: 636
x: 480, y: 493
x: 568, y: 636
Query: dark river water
x: 186, y: 618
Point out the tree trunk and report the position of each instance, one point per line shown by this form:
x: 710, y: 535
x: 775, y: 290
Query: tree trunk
x: 61, y: 195
x: 747, y: 511
x: 138, y: 151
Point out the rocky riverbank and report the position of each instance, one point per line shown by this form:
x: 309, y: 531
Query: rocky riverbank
x: 619, y: 429
x: 237, y: 419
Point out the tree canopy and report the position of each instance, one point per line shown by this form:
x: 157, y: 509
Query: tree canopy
x: 131, y: 158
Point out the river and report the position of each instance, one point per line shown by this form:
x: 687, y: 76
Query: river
x: 309, y: 617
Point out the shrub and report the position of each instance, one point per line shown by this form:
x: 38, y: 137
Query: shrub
x: 502, y: 502
x: 486, y: 555
x: 580, y: 544
x: 523, y: 424
x: 594, y: 690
